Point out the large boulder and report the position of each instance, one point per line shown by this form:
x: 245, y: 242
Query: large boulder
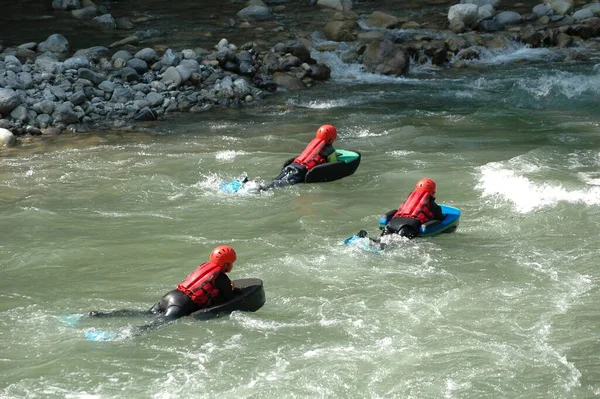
x: 7, y: 138
x: 461, y: 16
x: 9, y: 100
x: 386, y: 58
x: 508, y: 18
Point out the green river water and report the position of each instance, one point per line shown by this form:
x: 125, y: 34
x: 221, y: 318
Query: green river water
x: 506, y: 307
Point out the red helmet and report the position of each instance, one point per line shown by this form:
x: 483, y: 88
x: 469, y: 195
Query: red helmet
x: 327, y: 133
x: 427, y: 185
x: 223, y: 256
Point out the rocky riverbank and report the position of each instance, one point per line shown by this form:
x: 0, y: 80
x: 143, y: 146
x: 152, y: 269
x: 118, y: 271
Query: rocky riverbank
x: 48, y: 87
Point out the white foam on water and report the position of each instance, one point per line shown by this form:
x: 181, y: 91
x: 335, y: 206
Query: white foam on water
x: 324, y: 104
x: 515, y: 52
x: 561, y: 83
x: 228, y: 155
x: 508, y: 182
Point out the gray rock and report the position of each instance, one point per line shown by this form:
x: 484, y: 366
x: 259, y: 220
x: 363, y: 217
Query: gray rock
x: 462, y: 14
x: 158, y: 86
x: 146, y: 114
x: 340, y: 5
x: 184, y: 72
x: 77, y: 98
x: 189, y: 54
x: 28, y: 46
x: 508, y: 18
x: 192, y: 65
x: 319, y: 71
x: 58, y: 92
x: 386, y: 58
x: 121, y: 95
x: 26, y: 79
x: 288, y: 81
x: 479, y: 3
x: 93, y: 53
x: 43, y: 121
x: 19, y: 113
x: 122, y: 54
x: 55, y: 44
x: 147, y: 54
x: 47, y: 62
x: 241, y: 88
x: 9, y: 100
x: 119, y: 63
x: 255, y: 13
x: 154, y: 98
x: 76, y: 63
x: 106, y: 21
x: 140, y: 66
x: 7, y: 138
x: 124, y: 23
x: 170, y: 58
x: 584, y: 13
x: 94, y: 77
x: 561, y: 6
x: 298, y: 49
x: 107, y: 86
x: 541, y: 10
x: 141, y: 87
x: 486, y: 11
x: 129, y: 75
x: 64, y: 113
x: 12, y: 60
x: 86, y: 13
x: 44, y: 107
x: 171, y: 76
x: 66, y: 4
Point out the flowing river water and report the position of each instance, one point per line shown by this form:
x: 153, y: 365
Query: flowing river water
x: 505, y: 307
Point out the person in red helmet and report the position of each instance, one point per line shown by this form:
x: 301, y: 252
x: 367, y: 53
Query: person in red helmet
x: 319, y: 151
x: 418, y: 208
x: 205, y: 287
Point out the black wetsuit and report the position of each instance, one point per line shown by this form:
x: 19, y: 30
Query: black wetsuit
x: 294, y: 173
x: 173, y: 305
x: 409, y: 227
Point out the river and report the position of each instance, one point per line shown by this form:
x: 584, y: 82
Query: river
x: 504, y: 307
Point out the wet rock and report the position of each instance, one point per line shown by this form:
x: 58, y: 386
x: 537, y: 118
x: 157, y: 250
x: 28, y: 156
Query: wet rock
x: 94, y: 77
x: 154, y: 98
x: 124, y: 23
x: 489, y: 25
x: 382, y: 20
x: 288, y: 81
x: 106, y: 21
x: 86, y: 13
x: 319, y: 72
x: 480, y: 3
x: 298, y: 49
x: 133, y: 39
x: 386, y: 58
x: 121, y: 54
x: 340, y: 31
x: 483, y: 12
x: 55, y: 44
x: 255, y: 13
x: 92, y: 53
x: 9, y: 100
x: 7, y: 138
x: 170, y: 58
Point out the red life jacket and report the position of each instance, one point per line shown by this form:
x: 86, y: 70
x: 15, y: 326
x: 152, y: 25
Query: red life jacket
x: 312, y: 154
x: 416, y: 206
x: 200, y: 284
